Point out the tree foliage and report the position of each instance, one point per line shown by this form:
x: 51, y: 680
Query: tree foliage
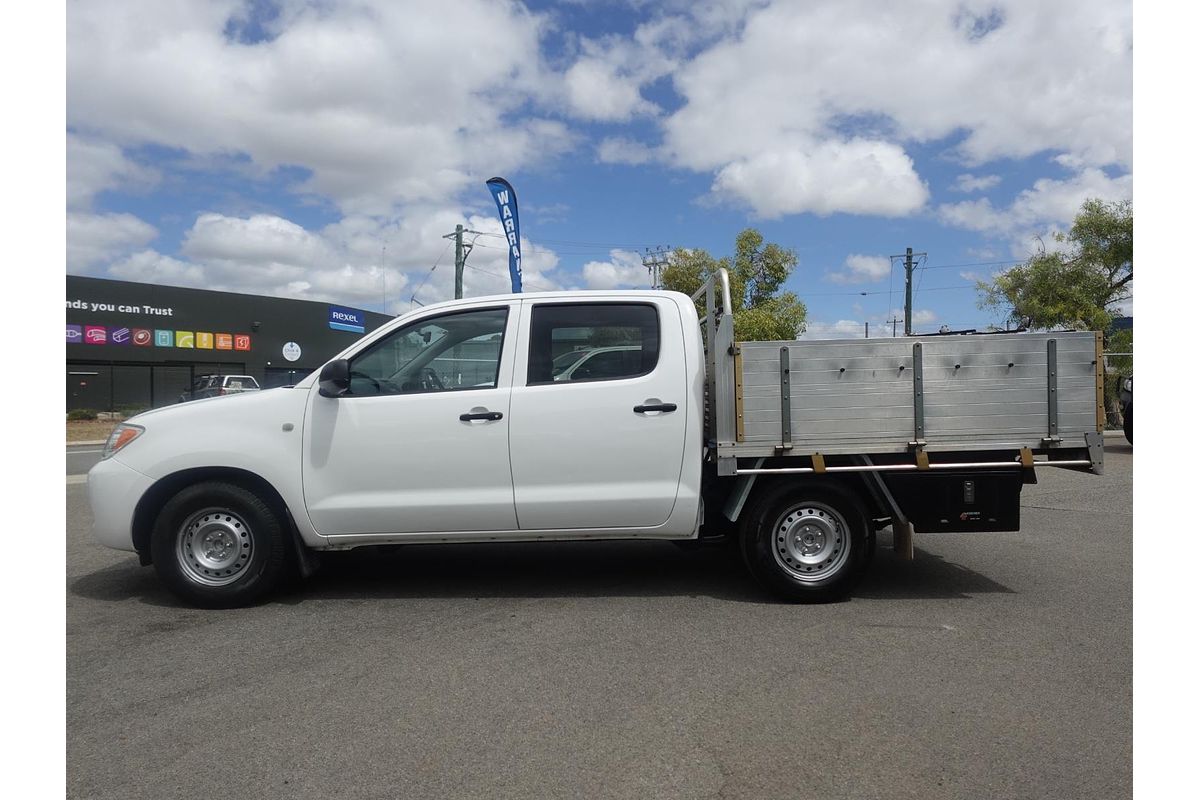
x: 1079, y: 287
x: 757, y: 270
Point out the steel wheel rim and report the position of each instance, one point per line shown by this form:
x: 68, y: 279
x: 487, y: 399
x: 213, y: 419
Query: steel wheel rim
x: 810, y: 542
x: 213, y: 547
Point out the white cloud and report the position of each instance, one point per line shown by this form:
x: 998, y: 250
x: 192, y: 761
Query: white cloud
x: 920, y: 317
x: 967, y: 183
x: 596, y: 91
x: 620, y: 150
x: 855, y: 176
x: 361, y: 95
x: 149, y: 266
x: 842, y: 329
x: 261, y: 240
x: 624, y: 269
x: 345, y: 262
x: 94, y: 239
x: 1033, y: 78
x: 1050, y: 205
x: 94, y: 166
x: 863, y: 269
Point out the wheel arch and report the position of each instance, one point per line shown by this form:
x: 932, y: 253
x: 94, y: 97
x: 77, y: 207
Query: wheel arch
x: 148, y: 507
x: 853, y: 483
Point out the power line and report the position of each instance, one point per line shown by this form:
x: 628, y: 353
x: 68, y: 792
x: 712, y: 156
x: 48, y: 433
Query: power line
x: 974, y: 264
x: 428, y: 275
x: 543, y: 287
x: 574, y: 243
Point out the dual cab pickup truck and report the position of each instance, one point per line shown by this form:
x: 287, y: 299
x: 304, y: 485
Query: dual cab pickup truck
x: 453, y: 424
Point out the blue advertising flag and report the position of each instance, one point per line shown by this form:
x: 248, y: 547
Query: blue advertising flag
x: 506, y: 204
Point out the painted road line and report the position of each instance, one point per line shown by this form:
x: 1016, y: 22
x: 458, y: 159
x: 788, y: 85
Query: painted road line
x: 74, y: 479
x: 77, y: 452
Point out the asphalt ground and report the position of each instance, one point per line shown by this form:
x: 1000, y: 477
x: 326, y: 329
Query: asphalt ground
x: 82, y: 457
x: 991, y: 666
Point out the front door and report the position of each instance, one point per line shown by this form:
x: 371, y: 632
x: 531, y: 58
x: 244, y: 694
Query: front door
x: 419, y: 444
x: 599, y: 411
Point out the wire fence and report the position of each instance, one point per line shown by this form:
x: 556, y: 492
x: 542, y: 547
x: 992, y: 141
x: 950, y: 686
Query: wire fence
x: 1117, y: 367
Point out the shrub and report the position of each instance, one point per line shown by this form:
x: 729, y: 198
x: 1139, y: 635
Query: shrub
x: 129, y: 411
x: 82, y: 413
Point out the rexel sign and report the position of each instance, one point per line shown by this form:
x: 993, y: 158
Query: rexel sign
x: 347, y: 319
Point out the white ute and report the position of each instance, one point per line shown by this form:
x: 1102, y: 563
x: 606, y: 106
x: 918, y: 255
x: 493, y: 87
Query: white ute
x: 450, y: 424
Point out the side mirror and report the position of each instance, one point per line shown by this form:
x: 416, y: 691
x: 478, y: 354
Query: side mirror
x: 335, y: 378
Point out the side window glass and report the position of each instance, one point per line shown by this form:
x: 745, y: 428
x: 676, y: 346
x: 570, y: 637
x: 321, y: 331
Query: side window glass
x: 592, y: 342
x: 448, y: 353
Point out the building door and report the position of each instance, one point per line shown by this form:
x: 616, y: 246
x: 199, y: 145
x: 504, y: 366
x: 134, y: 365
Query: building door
x: 89, y: 386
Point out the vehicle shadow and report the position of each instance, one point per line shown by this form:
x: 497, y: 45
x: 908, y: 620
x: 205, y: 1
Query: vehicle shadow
x: 554, y: 569
x: 927, y: 576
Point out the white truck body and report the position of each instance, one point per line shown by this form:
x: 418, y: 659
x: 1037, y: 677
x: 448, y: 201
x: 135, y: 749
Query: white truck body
x: 485, y: 446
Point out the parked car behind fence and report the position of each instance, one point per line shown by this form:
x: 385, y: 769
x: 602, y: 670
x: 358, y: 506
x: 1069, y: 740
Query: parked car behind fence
x: 217, y: 385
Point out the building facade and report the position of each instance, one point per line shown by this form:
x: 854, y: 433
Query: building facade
x: 136, y: 345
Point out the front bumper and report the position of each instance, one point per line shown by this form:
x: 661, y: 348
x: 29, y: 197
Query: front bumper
x: 113, y: 493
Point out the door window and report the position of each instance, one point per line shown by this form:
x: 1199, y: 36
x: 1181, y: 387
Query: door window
x: 451, y: 352
x: 592, y: 342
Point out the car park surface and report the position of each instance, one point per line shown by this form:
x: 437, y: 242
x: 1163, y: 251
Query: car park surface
x: 219, y: 386
x: 993, y: 665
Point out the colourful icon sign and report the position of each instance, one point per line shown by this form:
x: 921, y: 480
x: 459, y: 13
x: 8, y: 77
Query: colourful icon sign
x: 145, y: 337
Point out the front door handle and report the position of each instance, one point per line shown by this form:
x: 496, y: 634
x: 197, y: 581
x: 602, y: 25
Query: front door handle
x: 491, y: 416
x: 654, y: 407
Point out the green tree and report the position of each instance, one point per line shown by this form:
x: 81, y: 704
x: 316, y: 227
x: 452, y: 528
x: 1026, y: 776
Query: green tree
x: 757, y: 270
x: 1080, y: 287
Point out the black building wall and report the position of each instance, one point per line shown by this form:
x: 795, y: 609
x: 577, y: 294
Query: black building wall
x: 144, y: 358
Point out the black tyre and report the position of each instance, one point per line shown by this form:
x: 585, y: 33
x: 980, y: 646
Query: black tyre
x: 218, y: 545
x: 1128, y: 415
x: 807, y: 541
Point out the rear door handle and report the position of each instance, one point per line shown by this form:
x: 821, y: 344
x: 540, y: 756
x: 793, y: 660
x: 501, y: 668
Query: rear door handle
x: 654, y: 407
x: 488, y: 415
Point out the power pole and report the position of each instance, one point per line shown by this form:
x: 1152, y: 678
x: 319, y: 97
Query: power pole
x: 908, y: 272
x: 893, y: 320
x: 866, y: 330
x: 460, y: 261
x: 383, y: 278
x: 655, y: 261
x: 908, y: 268
x: 461, y: 251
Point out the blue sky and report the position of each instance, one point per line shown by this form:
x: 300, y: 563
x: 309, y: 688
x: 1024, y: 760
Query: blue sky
x: 321, y: 150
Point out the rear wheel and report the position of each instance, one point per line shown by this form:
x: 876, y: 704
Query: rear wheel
x: 218, y: 545
x: 807, y: 541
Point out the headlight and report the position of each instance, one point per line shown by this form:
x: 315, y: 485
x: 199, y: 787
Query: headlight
x: 1129, y: 384
x: 122, y: 435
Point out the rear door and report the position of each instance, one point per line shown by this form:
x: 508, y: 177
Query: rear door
x: 601, y: 447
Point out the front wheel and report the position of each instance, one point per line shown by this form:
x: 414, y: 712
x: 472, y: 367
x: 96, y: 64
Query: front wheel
x: 807, y: 541
x: 1128, y: 422
x: 218, y: 545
